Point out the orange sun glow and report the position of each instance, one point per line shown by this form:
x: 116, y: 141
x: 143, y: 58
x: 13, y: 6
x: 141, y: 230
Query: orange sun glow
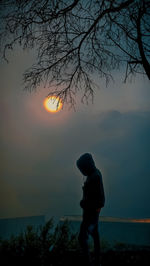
x: 53, y: 104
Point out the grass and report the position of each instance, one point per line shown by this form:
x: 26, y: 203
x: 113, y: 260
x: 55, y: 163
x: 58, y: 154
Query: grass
x: 58, y: 246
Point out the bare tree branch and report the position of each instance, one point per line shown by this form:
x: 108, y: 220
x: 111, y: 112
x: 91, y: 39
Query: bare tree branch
x: 76, y: 40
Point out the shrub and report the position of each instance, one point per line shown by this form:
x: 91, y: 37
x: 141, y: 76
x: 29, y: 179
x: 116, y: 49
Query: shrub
x: 40, y: 247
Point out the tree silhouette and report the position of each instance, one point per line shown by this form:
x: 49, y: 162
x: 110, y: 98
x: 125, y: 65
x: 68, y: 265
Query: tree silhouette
x: 76, y: 40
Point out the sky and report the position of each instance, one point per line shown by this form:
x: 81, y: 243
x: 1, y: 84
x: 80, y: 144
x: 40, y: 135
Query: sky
x: 38, y: 149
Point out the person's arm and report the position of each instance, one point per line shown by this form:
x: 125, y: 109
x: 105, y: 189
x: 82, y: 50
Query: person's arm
x: 99, y: 193
x: 95, y: 198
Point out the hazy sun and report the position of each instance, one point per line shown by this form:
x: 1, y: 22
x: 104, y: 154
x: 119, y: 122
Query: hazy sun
x: 53, y: 104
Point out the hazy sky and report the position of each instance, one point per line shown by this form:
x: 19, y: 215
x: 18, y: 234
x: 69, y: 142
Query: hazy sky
x: 38, y: 149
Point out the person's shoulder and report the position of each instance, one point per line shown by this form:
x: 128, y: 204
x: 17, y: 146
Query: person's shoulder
x: 98, y: 172
x: 97, y: 175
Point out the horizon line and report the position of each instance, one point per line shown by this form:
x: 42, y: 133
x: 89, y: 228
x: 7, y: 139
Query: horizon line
x: 108, y: 219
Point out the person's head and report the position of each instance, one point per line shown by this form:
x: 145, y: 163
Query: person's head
x: 86, y: 164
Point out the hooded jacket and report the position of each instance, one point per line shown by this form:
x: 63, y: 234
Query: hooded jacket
x: 93, y: 190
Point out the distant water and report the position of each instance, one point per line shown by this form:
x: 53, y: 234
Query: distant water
x: 112, y: 230
x: 115, y: 230
x: 15, y: 226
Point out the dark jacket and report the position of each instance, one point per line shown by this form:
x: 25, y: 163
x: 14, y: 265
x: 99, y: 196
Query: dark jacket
x: 93, y: 190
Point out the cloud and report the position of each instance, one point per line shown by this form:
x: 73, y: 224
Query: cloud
x: 46, y: 180
x: 124, y: 153
x: 38, y: 151
x: 10, y: 205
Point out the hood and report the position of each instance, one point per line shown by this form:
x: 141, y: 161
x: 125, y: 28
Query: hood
x: 86, y: 164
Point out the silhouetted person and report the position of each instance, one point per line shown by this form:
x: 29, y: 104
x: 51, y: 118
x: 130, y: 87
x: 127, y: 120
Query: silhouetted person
x: 92, y: 202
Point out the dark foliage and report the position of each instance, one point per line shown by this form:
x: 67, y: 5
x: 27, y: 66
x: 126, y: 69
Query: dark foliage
x: 58, y: 246
x: 42, y: 247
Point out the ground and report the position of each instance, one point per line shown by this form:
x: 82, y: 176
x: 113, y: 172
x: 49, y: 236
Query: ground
x: 111, y: 257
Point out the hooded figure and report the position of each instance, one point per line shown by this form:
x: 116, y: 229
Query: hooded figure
x: 93, y: 191
x: 92, y: 201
